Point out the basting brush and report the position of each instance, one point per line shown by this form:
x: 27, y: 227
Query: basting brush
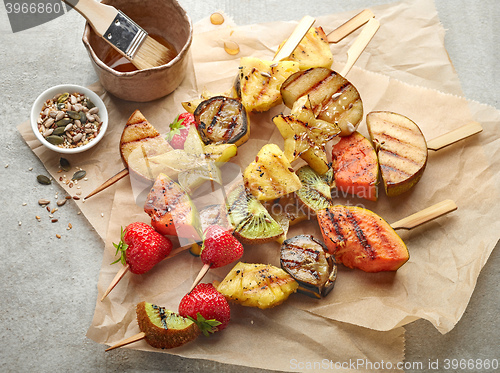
x: 123, y: 34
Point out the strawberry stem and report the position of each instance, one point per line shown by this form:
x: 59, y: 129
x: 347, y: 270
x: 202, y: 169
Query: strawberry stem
x: 121, y: 248
x: 206, y: 326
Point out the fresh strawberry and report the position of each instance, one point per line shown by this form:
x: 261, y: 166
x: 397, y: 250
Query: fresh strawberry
x: 220, y: 247
x: 179, y: 130
x: 207, y: 307
x: 141, y: 247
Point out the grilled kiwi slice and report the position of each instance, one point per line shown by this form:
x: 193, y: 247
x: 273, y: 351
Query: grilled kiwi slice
x: 306, y: 259
x: 222, y: 120
x: 164, y: 328
x: 315, y: 192
x: 334, y: 99
x: 250, y: 220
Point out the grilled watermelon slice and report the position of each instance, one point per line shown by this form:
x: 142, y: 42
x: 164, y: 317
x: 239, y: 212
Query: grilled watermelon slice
x: 359, y: 238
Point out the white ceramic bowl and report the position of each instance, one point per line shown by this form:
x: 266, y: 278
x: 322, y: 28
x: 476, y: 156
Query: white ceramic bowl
x: 70, y: 88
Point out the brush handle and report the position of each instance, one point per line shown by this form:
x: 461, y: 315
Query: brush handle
x: 426, y: 215
x: 350, y: 26
x: 360, y: 44
x: 99, y: 16
x: 453, y: 136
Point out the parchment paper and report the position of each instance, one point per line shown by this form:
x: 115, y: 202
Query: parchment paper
x: 365, y: 312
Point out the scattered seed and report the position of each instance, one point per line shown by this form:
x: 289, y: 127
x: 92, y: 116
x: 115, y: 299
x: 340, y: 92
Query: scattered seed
x: 19, y: 223
x: 58, y: 235
x: 53, y: 210
x: 79, y: 175
x: 76, y: 198
x: 38, y: 218
x: 67, y: 197
x: 69, y: 226
x: 7, y: 165
x: 61, y: 202
x: 43, y: 202
x: 102, y: 214
x: 64, y: 163
x: 47, y: 208
x: 24, y: 203
x: 54, y: 220
x: 30, y: 169
x: 44, y: 180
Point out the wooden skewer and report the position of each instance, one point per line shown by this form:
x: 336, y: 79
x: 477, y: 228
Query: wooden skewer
x: 452, y: 137
x: 119, y: 275
x: 426, y: 215
x: 350, y: 26
x: 200, y: 276
x: 295, y: 38
x: 109, y: 182
x: 360, y: 44
x: 127, y: 341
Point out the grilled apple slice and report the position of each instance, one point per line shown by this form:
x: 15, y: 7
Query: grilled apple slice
x: 333, y: 98
x: 270, y: 176
x: 259, y: 81
x: 313, y: 51
x: 163, y: 328
x: 140, y: 134
x: 401, y: 150
x: 222, y: 120
x: 257, y: 285
x: 359, y: 238
x: 306, y: 259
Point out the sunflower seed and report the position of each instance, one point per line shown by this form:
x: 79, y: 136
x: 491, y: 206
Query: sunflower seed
x: 43, y: 202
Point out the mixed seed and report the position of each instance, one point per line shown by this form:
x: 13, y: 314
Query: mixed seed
x: 69, y: 120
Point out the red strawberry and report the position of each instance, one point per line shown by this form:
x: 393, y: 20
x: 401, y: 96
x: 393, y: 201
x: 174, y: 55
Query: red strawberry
x: 207, y: 307
x: 142, y: 247
x: 179, y: 130
x: 220, y: 247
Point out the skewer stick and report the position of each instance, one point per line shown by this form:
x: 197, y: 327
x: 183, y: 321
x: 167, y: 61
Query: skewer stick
x: 350, y: 26
x: 200, y: 276
x: 360, y: 44
x: 119, y: 275
x: 109, y: 182
x: 295, y: 38
x: 426, y: 215
x: 453, y: 136
x: 127, y: 341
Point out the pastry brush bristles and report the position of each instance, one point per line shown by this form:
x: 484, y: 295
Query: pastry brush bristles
x: 152, y: 53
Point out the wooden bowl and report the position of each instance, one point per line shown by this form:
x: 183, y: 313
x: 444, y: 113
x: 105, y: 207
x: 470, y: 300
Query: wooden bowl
x: 165, y: 18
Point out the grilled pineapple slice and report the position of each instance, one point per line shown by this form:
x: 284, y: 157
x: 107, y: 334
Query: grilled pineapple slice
x: 257, y: 285
x: 301, y: 130
x: 259, y: 81
x: 313, y: 50
x: 270, y: 176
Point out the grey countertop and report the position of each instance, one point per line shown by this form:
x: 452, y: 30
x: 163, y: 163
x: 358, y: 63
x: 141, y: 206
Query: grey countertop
x: 48, y: 289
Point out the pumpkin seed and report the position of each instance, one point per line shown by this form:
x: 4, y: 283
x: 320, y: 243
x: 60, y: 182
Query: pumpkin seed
x: 42, y: 179
x: 83, y: 117
x: 73, y: 114
x: 63, y: 122
x: 79, y: 175
x: 58, y: 131
x: 61, y: 106
x: 63, y: 97
x: 88, y: 103
x: 64, y: 163
x: 55, y: 140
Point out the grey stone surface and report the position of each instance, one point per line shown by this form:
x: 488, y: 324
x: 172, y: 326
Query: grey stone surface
x: 48, y: 286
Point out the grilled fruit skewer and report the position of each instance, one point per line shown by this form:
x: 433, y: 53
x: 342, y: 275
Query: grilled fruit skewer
x: 161, y: 328
x: 361, y: 239
x: 402, y: 149
x: 315, y: 193
x: 306, y: 259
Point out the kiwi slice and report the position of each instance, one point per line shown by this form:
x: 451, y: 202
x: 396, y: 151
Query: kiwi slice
x: 251, y: 222
x: 315, y: 192
x: 164, y: 328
